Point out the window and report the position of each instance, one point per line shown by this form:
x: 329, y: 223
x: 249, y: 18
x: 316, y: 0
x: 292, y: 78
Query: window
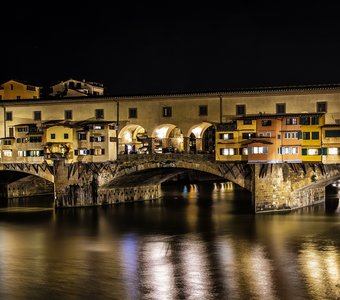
x: 247, y: 122
x: 35, y: 139
x: 132, y: 113
x: 11, y: 131
x: 99, y: 113
x: 288, y: 150
x: 248, y: 135
x: 7, y: 142
x: 18, y: 97
x: 97, y: 151
x: 332, y: 133
x: 97, y: 139
x: 9, y: 116
x: 258, y: 150
x: 226, y: 136
x: 305, y: 121
x: 266, y: 122
x: 68, y: 114
x: 12, y: 87
x: 228, y: 151
x: 240, y: 109
x: 313, y: 151
x: 81, y: 152
x: 268, y: 134
x: 82, y: 136
x: 7, y: 153
x: 315, y: 135
x: 333, y: 151
x: 30, y: 88
x: 203, y: 110
x: 315, y: 120
x: 291, y: 121
x: 167, y: 111
x: 280, y: 108
x: 65, y: 136
x: 37, y: 115
x: 321, y: 106
x: 52, y: 136
x: 306, y: 135
x: 291, y: 135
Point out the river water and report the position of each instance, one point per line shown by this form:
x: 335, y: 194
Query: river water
x: 199, y: 241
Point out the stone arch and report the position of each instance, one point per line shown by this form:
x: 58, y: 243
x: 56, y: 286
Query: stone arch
x: 238, y: 173
x: 22, y: 184
x: 167, y: 138
x: 40, y: 170
x: 201, y: 138
x: 132, y: 138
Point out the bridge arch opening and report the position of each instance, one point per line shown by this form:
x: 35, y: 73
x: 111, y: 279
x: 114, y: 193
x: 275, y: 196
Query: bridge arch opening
x: 332, y: 196
x: 132, y: 139
x: 201, y: 138
x: 167, y: 138
x: 17, y: 184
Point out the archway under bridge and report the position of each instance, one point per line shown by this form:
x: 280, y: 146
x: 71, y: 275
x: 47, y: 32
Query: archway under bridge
x: 17, y: 184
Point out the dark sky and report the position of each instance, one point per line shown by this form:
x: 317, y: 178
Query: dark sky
x: 138, y: 49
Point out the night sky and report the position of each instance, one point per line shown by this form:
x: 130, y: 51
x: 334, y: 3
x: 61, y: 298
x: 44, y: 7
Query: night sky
x: 145, y: 49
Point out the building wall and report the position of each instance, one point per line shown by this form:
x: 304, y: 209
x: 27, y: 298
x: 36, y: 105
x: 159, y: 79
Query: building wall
x: 13, y: 89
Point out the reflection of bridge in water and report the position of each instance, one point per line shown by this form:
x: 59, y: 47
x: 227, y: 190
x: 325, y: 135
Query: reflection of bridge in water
x: 138, y: 177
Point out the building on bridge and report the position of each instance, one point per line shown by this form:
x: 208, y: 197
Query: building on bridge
x: 299, y: 124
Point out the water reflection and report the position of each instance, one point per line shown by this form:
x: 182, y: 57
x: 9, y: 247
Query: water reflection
x: 197, y: 242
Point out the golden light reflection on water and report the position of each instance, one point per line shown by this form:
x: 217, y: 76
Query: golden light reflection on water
x: 158, y: 275
x: 320, y: 268
x: 194, y: 263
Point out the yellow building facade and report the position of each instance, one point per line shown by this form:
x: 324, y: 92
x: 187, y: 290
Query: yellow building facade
x: 16, y: 90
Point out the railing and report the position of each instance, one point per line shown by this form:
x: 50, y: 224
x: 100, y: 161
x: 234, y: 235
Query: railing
x: 166, y: 156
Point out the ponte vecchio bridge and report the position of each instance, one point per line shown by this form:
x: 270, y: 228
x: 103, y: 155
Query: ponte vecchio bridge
x: 282, y: 144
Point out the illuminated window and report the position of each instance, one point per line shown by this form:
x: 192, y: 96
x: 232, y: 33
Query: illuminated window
x: 291, y: 135
x: 248, y: 135
x: 7, y: 153
x: 333, y: 151
x: 313, y: 151
x: 258, y: 150
x: 288, y: 150
x: 228, y: 151
x: 291, y: 121
x: 81, y: 152
x: 167, y: 111
x: 97, y: 139
x: 226, y: 136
